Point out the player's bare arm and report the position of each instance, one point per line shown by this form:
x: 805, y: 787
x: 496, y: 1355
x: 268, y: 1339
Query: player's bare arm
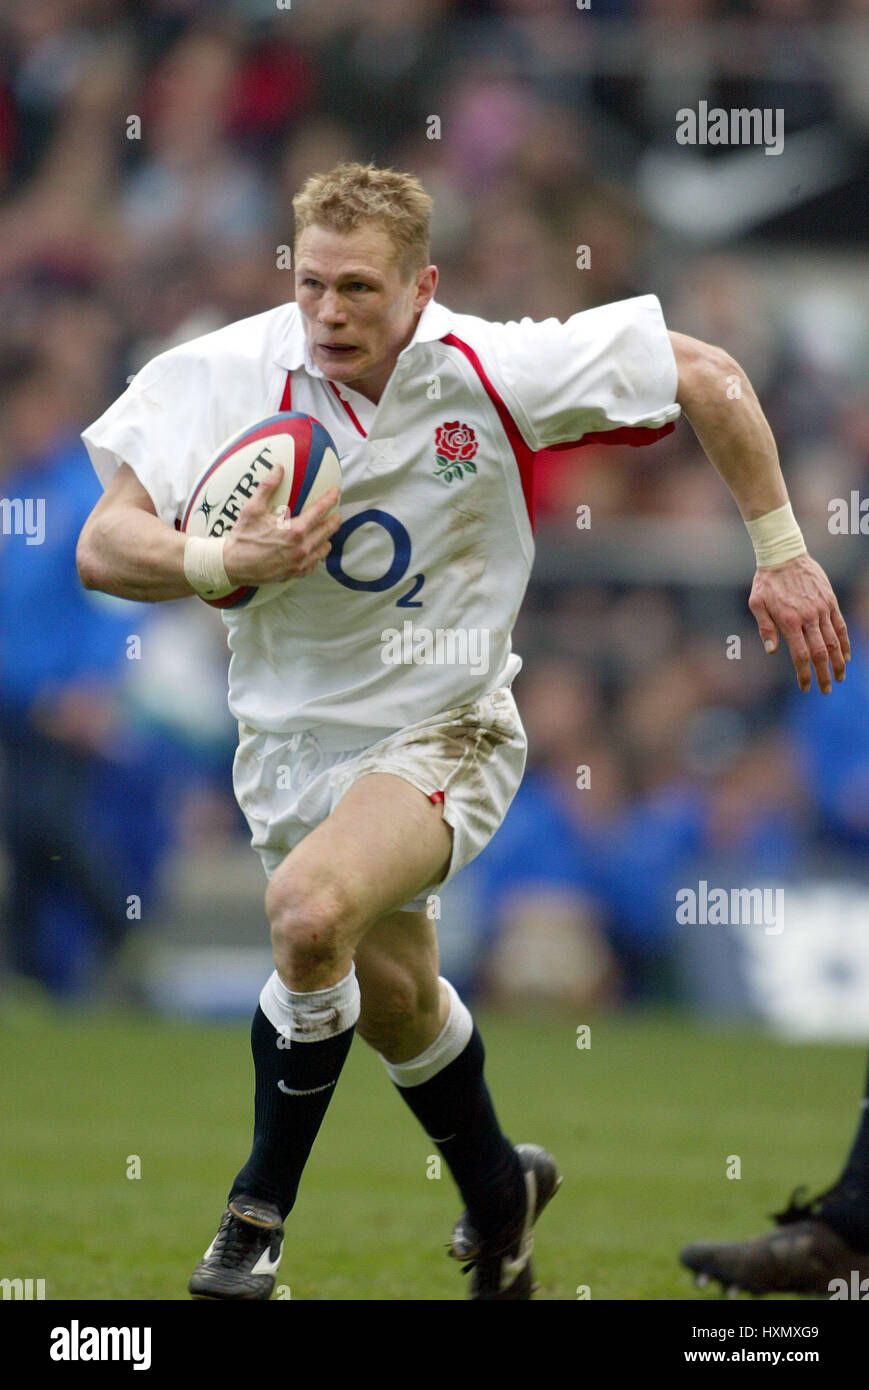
x: 795, y: 597
x: 127, y: 550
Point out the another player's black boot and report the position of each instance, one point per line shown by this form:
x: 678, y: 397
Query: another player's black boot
x: 814, y: 1243
x: 803, y: 1255
x: 500, y: 1267
x: 242, y: 1260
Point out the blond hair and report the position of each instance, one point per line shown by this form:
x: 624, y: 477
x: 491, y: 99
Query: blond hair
x: 353, y: 194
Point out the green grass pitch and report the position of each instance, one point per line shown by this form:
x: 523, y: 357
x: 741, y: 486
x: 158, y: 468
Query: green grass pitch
x: 643, y: 1123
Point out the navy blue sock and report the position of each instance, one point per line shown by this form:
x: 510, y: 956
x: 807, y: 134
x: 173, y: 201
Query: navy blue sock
x: 286, y: 1125
x: 846, y: 1209
x: 455, y: 1110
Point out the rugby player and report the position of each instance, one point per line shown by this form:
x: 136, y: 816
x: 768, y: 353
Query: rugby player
x: 368, y: 780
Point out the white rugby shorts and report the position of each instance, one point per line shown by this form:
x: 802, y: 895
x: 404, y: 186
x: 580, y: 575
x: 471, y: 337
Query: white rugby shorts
x: 472, y: 758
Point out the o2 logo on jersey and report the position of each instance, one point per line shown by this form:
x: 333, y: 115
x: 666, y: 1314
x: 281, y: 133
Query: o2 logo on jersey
x: 400, y: 557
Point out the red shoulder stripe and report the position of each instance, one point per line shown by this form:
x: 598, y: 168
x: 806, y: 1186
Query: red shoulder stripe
x: 625, y: 434
x: 634, y: 435
x: 523, y: 455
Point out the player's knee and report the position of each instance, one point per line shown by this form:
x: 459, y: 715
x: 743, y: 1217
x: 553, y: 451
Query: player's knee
x: 311, y: 921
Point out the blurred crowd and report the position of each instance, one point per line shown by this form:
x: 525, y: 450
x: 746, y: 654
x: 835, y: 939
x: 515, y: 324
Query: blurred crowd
x: 148, y: 156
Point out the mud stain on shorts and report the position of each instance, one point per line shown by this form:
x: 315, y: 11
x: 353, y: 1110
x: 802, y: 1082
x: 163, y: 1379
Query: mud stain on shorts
x: 469, y: 746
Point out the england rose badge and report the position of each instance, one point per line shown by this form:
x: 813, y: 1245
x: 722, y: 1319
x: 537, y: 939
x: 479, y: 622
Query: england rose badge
x: 455, y: 448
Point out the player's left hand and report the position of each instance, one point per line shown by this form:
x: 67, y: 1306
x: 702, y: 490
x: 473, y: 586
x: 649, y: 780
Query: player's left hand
x: 797, y: 600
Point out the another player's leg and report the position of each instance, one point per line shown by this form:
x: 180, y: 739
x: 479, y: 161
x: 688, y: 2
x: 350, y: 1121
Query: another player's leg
x: 439, y: 1074
x: 383, y: 843
x: 814, y: 1242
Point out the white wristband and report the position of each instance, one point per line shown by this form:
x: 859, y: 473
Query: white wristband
x: 203, y: 566
x: 776, y: 537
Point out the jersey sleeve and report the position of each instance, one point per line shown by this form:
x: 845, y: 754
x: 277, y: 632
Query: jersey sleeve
x: 156, y: 428
x: 605, y: 370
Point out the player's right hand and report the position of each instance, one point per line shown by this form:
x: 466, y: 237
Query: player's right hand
x: 263, y: 548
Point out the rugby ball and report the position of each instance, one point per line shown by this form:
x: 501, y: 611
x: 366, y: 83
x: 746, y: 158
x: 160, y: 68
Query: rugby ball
x: 310, y: 462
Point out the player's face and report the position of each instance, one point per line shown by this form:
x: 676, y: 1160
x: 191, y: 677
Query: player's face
x: 359, y: 307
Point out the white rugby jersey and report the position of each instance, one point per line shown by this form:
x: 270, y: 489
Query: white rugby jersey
x: 412, y: 612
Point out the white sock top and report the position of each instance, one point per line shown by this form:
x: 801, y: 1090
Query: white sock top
x: 449, y: 1043
x: 312, y: 1016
